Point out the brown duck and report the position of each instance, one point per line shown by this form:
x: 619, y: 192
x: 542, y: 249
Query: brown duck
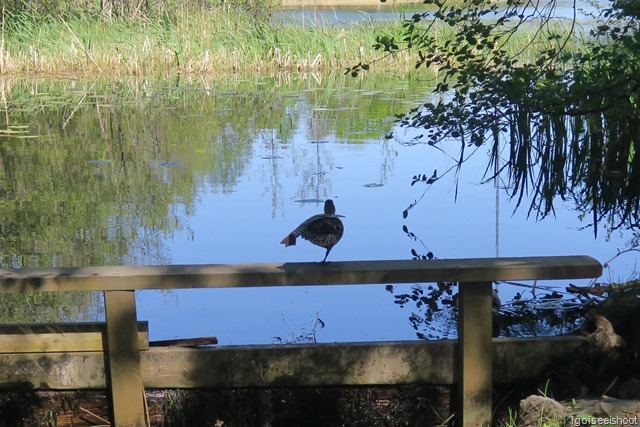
x: 324, y: 230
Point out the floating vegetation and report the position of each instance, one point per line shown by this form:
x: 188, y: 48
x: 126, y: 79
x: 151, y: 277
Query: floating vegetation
x: 14, y: 130
x: 324, y: 109
x: 309, y: 201
x: 18, y: 132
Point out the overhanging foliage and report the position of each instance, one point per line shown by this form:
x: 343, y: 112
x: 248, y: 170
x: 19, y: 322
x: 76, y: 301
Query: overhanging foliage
x: 565, y: 123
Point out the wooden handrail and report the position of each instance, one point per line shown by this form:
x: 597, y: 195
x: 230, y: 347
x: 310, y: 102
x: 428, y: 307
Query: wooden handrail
x: 475, y: 276
x: 296, y: 274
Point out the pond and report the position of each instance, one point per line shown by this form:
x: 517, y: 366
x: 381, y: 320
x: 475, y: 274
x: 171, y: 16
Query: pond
x: 329, y: 16
x: 197, y: 171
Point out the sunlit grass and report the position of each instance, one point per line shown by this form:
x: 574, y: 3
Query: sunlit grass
x: 204, y: 42
x: 196, y: 42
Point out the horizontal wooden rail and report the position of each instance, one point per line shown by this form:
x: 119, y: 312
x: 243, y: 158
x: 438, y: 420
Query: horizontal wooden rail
x: 296, y: 274
x: 66, y: 337
x: 475, y: 276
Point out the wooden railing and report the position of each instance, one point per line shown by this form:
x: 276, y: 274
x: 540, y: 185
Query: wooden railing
x: 475, y: 276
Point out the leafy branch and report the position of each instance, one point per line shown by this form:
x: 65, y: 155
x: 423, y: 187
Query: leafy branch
x: 566, y: 117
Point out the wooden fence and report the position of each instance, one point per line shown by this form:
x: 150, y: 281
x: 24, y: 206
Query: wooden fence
x: 475, y: 276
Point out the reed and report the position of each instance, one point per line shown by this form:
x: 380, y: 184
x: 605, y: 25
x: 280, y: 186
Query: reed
x: 196, y: 41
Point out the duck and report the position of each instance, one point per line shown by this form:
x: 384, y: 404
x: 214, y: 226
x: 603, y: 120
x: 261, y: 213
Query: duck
x: 324, y: 230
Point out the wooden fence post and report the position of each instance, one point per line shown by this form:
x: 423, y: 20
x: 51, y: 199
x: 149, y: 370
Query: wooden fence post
x: 474, y: 362
x: 123, y: 359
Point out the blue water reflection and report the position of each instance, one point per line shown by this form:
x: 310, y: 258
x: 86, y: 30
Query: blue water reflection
x: 246, y: 224
x: 341, y: 16
x: 199, y: 172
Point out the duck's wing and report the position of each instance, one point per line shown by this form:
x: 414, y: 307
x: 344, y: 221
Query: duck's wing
x: 322, y: 230
x: 309, y: 224
x: 301, y: 230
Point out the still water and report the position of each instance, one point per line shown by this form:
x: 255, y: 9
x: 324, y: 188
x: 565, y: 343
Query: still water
x: 198, y: 171
x: 581, y: 10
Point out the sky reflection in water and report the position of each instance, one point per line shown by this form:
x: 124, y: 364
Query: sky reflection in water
x: 200, y: 173
x: 246, y: 224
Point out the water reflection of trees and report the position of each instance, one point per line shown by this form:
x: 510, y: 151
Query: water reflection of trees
x: 94, y: 176
x: 560, y: 123
x: 99, y: 182
x: 102, y: 172
x: 93, y: 168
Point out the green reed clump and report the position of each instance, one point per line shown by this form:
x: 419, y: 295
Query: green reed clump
x: 203, y: 42
x: 193, y: 41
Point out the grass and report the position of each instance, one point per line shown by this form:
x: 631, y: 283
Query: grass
x: 513, y: 422
x: 551, y: 419
x: 193, y: 41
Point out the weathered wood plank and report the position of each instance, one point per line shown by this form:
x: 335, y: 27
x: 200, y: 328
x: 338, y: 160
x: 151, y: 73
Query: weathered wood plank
x: 127, y: 390
x: 297, y: 274
x: 52, y: 338
x: 427, y: 362
x: 475, y: 355
x: 63, y: 328
x: 43, y: 343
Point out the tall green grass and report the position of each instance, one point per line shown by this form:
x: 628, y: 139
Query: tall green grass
x: 192, y: 41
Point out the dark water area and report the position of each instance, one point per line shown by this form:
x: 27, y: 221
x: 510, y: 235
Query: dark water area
x: 197, y: 171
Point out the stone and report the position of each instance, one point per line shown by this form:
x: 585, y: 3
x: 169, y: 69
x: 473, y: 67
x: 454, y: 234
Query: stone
x: 540, y: 410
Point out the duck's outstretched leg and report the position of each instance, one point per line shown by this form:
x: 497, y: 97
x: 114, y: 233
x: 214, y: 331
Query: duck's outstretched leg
x: 326, y: 255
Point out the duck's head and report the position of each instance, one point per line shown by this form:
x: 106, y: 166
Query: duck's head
x: 329, y: 207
